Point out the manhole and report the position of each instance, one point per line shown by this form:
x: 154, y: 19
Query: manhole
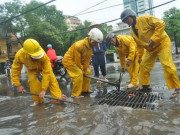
x: 132, y: 99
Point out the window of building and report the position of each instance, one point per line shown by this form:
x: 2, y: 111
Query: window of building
x: 9, y: 48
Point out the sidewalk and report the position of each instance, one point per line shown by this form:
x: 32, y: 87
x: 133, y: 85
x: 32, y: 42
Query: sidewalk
x: 2, y: 76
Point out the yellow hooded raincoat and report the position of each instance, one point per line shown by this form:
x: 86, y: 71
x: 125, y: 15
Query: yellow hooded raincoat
x: 34, y: 67
x: 76, y: 61
x: 127, y: 48
x: 150, y: 27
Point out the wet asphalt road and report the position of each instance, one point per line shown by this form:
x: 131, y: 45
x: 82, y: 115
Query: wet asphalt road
x: 17, y: 117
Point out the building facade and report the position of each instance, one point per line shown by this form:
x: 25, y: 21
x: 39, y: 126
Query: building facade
x: 72, y: 22
x: 121, y: 29
x: 140, y: 7
x: 9, y: 45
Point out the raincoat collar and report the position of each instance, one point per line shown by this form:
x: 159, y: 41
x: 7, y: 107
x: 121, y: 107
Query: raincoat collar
x: 134, y: 21
x: 117, y: 43
x: 87, y: 40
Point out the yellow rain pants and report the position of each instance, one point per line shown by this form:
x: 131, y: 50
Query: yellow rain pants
x: 34, y: 67
x: 170, y: 72
x: 127, y: 48
x: 76, y: 61
x: 80, y: 83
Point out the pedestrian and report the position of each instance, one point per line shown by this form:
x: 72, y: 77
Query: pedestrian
x: 51, y: 53
x: 126, y: 47
x: 149, y: 34
x: 77, y: 59
x: 36, y: 62
x: 98, y: 58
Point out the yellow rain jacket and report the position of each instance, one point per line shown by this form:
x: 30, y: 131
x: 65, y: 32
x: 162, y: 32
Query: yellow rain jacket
x: 149, y: 27
x: 76, y: 61
x: 127, y: 48
x: 34, y: 67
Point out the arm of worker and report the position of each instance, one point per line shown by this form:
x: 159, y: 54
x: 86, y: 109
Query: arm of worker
x: 104, y: 48
x: 130, y: 43
x: 140, y: 50
x: 77, y: 54
x: 158, y: 27
x: 122, y: 59
x: 46, y: 68
x: 15, y: 73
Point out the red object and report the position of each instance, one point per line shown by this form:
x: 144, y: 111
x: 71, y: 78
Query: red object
x: 51, y: 53
x: 131, y: 95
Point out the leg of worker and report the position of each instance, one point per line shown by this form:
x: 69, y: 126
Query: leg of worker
x: 170, y: 71
x: 86, y: 81
x: 54, y: 86
x: 102, y: 64
x: 146, y: 66
x: 35, y: 85
x: 95, y: 65
x: 77, y: 78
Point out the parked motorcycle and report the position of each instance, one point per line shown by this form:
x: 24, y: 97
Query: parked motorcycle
x: 58, y: 68
x: 8, y: 69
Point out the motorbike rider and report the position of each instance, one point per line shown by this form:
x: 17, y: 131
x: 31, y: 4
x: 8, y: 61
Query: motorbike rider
x: 51, y: 53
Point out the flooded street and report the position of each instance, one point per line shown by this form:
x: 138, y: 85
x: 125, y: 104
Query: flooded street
x: 17, y: 117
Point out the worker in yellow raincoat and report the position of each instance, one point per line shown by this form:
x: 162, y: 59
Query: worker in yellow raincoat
x: 77, y: 59
x: 36, y: 62
x: 126, y: 47
x: 149, y: 34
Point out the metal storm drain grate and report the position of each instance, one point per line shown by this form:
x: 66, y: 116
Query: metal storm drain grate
x: 132, y: 99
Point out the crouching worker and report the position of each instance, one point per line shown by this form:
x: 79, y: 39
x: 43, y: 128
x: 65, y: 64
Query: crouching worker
x: 36, y: 61
x: 126, y: 47
x: 77, y: 59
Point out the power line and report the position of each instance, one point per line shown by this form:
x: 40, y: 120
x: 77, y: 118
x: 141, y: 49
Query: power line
x: 107, y: 7
x: 89, y: 8
x: 120, y: 18
x: 86, y: 12
x: 100, y: 9
x: 26, y: 12
x: 157, y: 6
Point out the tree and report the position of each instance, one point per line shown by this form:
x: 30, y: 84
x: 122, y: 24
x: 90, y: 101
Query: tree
x: 43, y: 24
x: 171, y: 17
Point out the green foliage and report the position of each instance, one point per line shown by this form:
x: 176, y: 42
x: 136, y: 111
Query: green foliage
x: 171, y: 17
x: 45, y: 24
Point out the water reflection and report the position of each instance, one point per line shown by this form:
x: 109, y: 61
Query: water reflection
x: 17, y: 117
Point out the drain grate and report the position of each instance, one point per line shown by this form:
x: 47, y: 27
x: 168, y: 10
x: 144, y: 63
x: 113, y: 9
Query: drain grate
x: 132, y: 99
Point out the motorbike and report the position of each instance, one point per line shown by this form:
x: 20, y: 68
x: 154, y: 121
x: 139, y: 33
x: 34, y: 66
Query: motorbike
x: 8, y: 70
x: 58, y: 68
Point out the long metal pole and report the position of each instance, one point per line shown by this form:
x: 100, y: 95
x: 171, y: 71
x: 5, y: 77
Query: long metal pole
x: 51, y: 98
x: 95, y: 78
